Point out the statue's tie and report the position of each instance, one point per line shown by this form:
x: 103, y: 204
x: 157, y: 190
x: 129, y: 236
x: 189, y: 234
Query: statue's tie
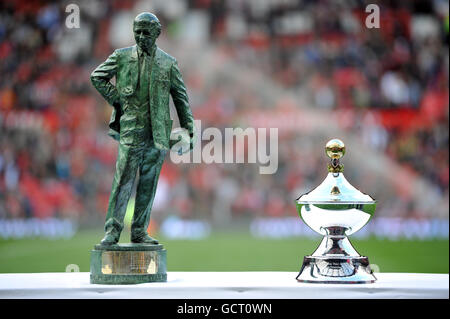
x: 143, y: 76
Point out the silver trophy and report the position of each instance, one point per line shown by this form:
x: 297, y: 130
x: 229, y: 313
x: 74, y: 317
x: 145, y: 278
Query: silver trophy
x: 336, y: 209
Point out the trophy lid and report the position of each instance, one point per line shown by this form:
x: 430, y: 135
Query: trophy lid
x: 335, y: 188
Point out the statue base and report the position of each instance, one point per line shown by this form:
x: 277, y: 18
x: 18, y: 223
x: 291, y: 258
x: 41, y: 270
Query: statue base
x: 123, y: 264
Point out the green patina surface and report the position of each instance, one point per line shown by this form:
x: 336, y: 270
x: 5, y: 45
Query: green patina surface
x: 127, y: 280
x: 145, y: 78
x: 129, y: 247
x: 97, y: 264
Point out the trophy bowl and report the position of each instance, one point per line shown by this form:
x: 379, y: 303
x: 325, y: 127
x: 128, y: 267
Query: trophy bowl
x: 335, y: 209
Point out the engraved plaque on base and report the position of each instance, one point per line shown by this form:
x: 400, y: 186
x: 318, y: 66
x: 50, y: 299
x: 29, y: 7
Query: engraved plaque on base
x: 128, y: 264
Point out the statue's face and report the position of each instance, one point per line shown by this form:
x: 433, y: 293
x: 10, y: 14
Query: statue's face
x: 145, y: 34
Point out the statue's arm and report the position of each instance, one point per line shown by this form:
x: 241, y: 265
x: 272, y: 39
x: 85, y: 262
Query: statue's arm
x: 101, y: 77
x: 180, y: 100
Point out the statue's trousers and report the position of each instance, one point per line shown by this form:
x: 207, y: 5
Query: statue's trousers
x: 148, y: 160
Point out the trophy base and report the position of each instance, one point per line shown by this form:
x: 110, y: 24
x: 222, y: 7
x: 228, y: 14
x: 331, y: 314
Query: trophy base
x: 335, y: 261
x: 336, y: 270
x: 123, y: 264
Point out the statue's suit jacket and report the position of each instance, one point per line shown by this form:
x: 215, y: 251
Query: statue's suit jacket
x: 164, y: 80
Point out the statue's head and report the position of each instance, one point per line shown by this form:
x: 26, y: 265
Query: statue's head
x: 146, y: 28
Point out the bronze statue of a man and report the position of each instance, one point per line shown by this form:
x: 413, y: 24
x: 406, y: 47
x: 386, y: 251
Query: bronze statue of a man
x: 140, y: 121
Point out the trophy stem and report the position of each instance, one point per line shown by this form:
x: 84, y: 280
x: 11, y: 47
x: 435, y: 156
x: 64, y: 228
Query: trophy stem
x: 335, y: 243
x: 336, y: 261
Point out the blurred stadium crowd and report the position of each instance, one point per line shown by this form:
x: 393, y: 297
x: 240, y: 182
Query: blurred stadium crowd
x: 388, y: 87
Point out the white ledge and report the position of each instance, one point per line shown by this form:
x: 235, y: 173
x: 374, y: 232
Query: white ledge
x: 223, y: 285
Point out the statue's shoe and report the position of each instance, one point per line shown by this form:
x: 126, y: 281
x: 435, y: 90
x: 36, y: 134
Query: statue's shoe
x: 144, y: 239
x: 109, y: 240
